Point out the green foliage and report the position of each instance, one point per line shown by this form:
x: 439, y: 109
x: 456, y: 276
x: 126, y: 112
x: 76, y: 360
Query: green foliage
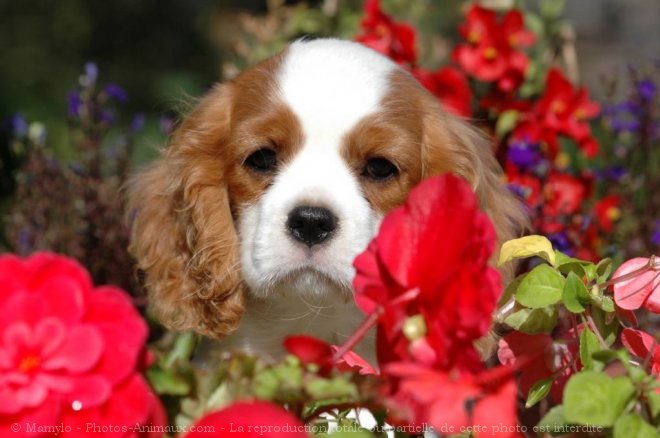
x: 594, y: 398
x: 542, y: 287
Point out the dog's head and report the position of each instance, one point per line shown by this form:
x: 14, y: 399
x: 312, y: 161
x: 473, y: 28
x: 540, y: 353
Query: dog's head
x: 280, y: 177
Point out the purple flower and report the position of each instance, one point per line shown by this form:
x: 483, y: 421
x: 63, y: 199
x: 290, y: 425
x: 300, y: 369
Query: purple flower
x: 614, y: 173
x: 137, y: 123
x: 562, y: 243
x: 18, y: 125
x: 74, y: 103
x: 646, y: 89
x: 524, y: 154
x: 106, y: 116
x: 655, y: 237
x: 91, y: 73
x: 115, y: 92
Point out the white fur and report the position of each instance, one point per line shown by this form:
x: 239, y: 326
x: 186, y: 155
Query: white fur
x: 330, y: 85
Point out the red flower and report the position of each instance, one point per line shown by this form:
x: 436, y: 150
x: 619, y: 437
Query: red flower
x: 68, y: 351
x: 453, y: 402
x: 564, y: 195
x: 642, y: 289
x: 538, y: 358
x: 428, y: 269
x: 311, y: 350
x: 256, y: 419
x: 491, y: 53
x: 642, y: 345
x: 381, y: 33
x: 449, y: 85
x: 526, y: 186
x: 562, y: 110
x: 607, y: 212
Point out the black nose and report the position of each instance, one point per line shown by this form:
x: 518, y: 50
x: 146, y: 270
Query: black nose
x: 311, y: 225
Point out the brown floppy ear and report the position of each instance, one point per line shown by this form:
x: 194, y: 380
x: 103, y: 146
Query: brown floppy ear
x: 182, y: 231
x: 450, y: 144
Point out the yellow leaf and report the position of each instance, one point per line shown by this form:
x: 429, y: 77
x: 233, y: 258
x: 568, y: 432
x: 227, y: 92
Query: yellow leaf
x: 527, y: 246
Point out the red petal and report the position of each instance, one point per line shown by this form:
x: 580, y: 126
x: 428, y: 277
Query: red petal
x: 257, y: 419
x: 82, y: 349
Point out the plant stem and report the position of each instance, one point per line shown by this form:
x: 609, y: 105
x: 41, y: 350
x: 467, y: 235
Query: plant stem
x: 357, y: 336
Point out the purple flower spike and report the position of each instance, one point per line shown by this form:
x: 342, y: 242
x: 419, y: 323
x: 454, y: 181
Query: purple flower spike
x: 91, y: 73
x: 647, y: 89
x: 74, y: 103
x: 115, y: 92
x: 655, y: 237
x: 19, y: 126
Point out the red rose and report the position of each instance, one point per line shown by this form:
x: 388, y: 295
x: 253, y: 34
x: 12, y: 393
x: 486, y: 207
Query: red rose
x: 68, y: 351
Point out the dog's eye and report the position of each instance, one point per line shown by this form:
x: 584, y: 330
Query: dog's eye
x: 380, y: 169
x: 263, y: 160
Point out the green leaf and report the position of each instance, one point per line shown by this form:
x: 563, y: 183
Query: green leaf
x: 575, y: 295
x: 527, y: 246
x: 606, y: 304
x: 552, y: 9
x: 553, y: 422
x: 167, y: 382
x: 506, y: 122
x: 542, y: 287
x: 653, y: 399
x: 566, y: 264
x: 588, y: 346
x: 590, y: 271
x: 539, y: 391
x: 533, y: 321
x: 633, y: 426
x: 607, y: 325
x: 593, y: 398
x: 338, y: 387
x: 603, y: 270
x: 510, y: 290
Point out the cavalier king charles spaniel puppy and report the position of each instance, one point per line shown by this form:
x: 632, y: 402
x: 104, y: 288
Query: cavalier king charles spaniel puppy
x: 246, y: 228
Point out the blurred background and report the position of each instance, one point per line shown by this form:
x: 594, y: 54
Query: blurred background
x: 91, y: 88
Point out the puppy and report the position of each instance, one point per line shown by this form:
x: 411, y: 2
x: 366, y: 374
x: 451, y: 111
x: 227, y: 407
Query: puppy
x: 248, y: 225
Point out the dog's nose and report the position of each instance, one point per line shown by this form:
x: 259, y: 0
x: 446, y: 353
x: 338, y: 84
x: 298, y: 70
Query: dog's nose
x: 311, y: 225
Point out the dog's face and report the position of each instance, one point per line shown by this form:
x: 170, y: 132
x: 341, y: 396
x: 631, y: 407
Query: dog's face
x: 279, y: 178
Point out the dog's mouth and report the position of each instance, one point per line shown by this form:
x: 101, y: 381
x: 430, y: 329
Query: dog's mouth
x: 308, y: 280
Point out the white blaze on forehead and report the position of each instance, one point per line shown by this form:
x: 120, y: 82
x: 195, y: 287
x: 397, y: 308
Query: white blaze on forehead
x: 332, y: 84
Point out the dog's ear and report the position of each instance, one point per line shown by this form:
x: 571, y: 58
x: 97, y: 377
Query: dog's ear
x: 182, y: 232
x: 450, y: 144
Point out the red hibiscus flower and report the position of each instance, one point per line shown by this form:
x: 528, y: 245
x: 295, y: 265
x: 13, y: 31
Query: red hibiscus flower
x: 69, y: 351
x: 492, y: 53
x: 381, y: 33
x: 607, y: 212
x: 449, y: 85
x: 541, y: 357
x: 453, y: 402
x: 638, y: 284
x: 255, y: 419
x: 562, y: 110
x: 429, y: 314
x: 642, y: 345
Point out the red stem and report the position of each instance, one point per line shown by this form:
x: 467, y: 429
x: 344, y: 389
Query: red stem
x: 357, y: 336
